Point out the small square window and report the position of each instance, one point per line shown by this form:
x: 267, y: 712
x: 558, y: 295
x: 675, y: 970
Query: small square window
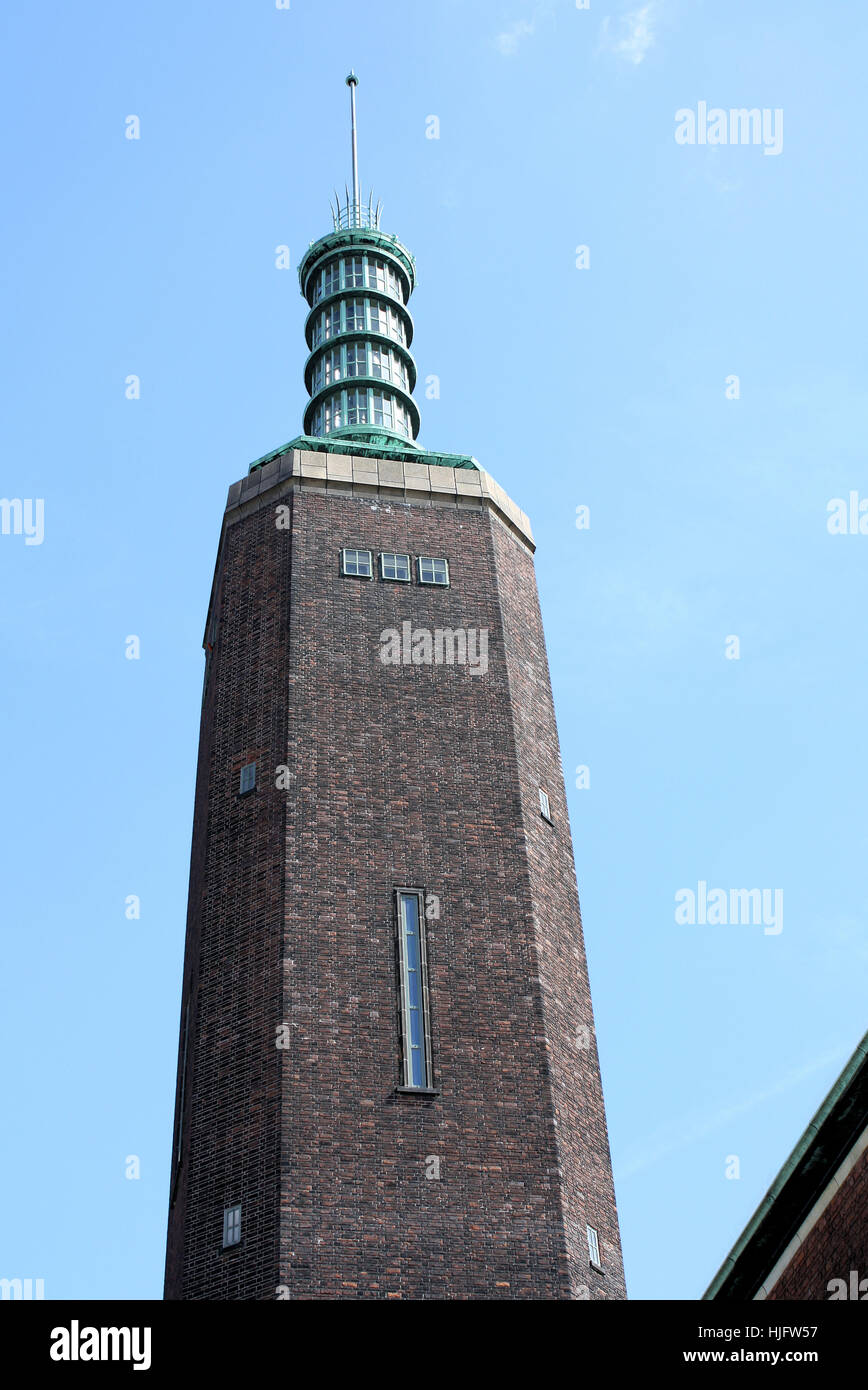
x: 594, y: 1247
x: 395, y: 567
x: 248, y: 779
x: 433, y: 571
x: 358, y: 563
x: 232, y: 1226
x: 545, y: 808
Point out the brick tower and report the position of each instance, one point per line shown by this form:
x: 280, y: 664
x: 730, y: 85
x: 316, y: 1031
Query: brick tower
x: 388, y: 1083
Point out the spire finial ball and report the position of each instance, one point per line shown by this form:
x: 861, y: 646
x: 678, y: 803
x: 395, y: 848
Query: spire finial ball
x: 352, y: 80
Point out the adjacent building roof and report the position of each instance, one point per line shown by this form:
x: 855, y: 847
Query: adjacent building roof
x: 813, y: 1166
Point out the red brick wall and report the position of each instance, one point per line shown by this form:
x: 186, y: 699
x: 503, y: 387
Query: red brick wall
x: 423, y: 776
x: 579, y: 1115
x: 232, y: 971
x: 835, y: 1245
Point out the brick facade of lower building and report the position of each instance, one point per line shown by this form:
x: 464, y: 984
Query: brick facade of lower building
x: 808, y: 1238
x: 834, y: 1248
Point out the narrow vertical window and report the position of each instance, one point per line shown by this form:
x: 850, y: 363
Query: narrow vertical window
x: 544, y: 807
x: 594, y: 1248
x: 183, y: 1081
x: 414, y: 1020
x: 232, y: 1225
x: 248, y: 779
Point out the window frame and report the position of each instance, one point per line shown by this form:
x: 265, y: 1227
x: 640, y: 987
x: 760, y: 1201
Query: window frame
x: 331, y: 279
x: 433, y: 583
x: 593, y: 1237
x: 231, y: 1224
x: 407, y: 1082
x: 545, y: 806
x: 251, y: 787
x: 353, y: 266
x: 358, y: 407
x: 356, y: 550
x: 385, y: 410
x: 395, y: 578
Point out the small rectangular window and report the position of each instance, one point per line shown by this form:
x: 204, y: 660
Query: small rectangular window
x: 396, y: 328
x: 377, y: 275
x: 357, y: 407
x: 415, y: 1037
x: 545, y: 808
x: 357, y: 360
x: 354, y: 310
x: 381, y: 410
x: 433, y: 571
x: 395, y: 567
x: 594, y: 1248
x: 248, y: 779
x: 358, y: 563
x: 232, y: 1226
x: 333, y: 413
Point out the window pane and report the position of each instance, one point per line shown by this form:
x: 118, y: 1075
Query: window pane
x: 356, y: 360
x: 414, y: 1019
x: 395, y: 567
x: 433, y: 571
x: 333, y: 414
x: 355, y: 315
x: 232, y: 1225
x: 358, y: 562
x: 357, y: 408
x: 381, y: 410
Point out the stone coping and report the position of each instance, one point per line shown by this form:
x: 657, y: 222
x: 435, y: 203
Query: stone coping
x: 359, y: 476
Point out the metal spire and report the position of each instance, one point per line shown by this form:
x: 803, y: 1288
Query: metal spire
x: 352, y: 83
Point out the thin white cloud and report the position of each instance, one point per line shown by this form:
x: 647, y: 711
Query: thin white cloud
x: 633, y: 36
x: 507, y: 42
x: 694, y: 1128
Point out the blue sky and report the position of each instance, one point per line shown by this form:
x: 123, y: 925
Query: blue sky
x: 603, y: 387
